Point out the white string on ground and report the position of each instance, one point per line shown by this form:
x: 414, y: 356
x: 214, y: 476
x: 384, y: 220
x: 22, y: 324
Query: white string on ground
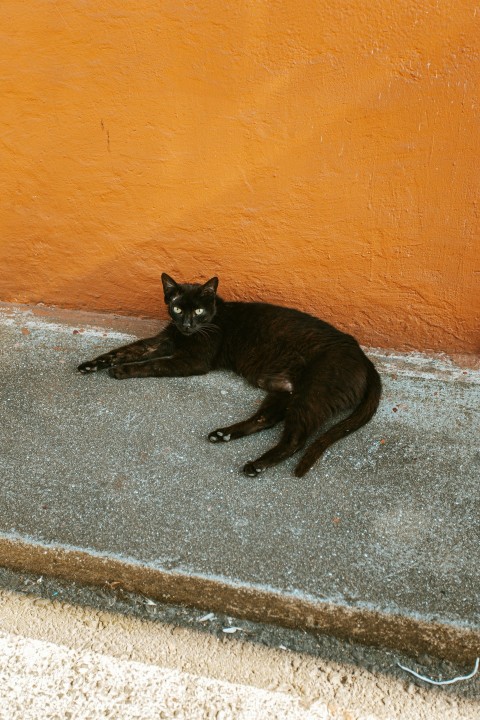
x: 442, y: 682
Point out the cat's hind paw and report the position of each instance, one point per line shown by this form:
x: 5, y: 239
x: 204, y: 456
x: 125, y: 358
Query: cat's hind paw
x: 219, y: 436
x: 252, y: 470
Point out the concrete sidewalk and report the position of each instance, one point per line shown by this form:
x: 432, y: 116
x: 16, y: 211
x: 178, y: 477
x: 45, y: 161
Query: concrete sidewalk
x: 114, y: 481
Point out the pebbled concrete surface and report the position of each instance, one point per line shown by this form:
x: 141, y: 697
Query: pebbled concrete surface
x: 107, y: 480
x: 149, y: 660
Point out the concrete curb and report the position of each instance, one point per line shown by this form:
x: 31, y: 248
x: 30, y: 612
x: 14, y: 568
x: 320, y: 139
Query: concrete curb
x: 412, y: 634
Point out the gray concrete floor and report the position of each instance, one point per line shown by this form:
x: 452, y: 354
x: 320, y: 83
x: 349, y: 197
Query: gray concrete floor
x: 107, y: 479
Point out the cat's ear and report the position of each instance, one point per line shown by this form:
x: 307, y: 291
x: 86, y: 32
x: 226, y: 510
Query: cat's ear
x: 210, y: 287
x: 170, y: 287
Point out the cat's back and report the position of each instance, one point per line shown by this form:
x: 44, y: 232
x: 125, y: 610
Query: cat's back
x: 269, y: 319
x: 262, y: 334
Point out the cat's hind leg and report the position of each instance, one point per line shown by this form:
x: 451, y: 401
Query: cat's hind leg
x: 271, y: 411
x: 297, y: 430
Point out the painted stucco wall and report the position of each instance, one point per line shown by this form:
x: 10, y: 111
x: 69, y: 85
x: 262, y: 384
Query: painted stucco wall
x: 317, y: 154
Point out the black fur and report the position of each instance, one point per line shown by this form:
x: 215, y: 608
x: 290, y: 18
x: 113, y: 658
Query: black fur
x: 310, y: 370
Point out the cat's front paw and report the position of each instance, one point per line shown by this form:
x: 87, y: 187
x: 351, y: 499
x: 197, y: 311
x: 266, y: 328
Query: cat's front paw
x: 88, y: 367
x: 94, y: 365
x: 119, y: 372
x: 252, y: 470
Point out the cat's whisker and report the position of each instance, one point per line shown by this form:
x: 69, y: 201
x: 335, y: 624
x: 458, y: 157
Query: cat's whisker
x: 204, y: 329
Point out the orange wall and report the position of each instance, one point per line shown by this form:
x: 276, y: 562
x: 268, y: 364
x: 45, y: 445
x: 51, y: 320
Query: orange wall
x: 319, y: 154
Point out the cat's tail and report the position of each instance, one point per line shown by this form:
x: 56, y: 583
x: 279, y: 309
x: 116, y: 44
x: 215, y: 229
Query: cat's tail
x: 360, y: 416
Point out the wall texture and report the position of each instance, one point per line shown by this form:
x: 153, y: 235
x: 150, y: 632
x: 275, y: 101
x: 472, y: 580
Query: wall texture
x: 319, y: 154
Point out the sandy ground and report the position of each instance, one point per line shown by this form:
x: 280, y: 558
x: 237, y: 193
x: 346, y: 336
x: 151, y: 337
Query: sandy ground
x: 71, y: 652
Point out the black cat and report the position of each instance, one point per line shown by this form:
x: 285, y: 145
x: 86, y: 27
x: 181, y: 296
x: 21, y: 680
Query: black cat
x: 310, y: 370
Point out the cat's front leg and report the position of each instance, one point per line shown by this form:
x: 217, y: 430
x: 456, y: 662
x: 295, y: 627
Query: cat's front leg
x: 127, y: 353
x: 168, y: 366
x: 99, y: 363
x: 129, y: 370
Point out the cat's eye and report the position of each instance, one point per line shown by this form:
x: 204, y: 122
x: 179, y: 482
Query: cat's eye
x: 177, y: 310
x: 199, y: 311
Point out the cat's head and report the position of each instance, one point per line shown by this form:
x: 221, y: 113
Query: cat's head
x: 191, y: 306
